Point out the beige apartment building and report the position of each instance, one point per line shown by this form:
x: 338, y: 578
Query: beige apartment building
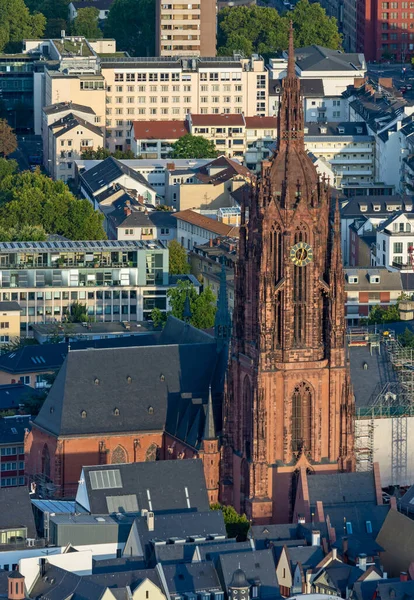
x: 121, y: 89
x: 184, y: 29
x: 9, y: 322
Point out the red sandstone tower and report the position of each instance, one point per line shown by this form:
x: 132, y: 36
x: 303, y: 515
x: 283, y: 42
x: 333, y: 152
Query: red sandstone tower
x: 289, y: 400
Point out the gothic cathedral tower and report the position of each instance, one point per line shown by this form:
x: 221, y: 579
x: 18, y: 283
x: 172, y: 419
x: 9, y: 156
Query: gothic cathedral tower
x: 289, y: 400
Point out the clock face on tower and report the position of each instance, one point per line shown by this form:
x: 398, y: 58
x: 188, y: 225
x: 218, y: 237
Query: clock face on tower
x: 301, y: 254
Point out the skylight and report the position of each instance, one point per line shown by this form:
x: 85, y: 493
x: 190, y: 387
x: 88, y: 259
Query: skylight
x: 105, y: 479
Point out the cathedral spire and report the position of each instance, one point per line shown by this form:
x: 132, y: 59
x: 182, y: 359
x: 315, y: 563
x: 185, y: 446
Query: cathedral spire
x: 209, y: 427
x: 222, y: 321
x: 291, y: 71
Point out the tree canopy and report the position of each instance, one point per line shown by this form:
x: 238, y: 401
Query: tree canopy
x: 202, y: 306
x: 32, y: 199
x: 237, y: 526
x: 247, y: 29
x: 102, y: 153
x: 8, y: 141
x: 77, y: 313
x: 178, y: 263
x: 193, y: 146
x: 17, y: 24
x: 86, y: 23
x: 56, y: 13
x: 132, y: 24
x: 381, y: 314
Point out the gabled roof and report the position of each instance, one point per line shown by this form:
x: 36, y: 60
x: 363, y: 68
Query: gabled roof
x: 9, y: 306
x: 353, y: 205
x: 366, y: 518
x: 64, y: 106
x: 191, y: 578
x: 261, y: 122
x: 397, y: 539
x: 217, y: 227
x: 307, y: 556
x: 159, y: 130
x: 318, y: 58
x: 142, y: 481
x: 16, y: 510
x: 367, y: 387
x: 406, y: 503
x: 70, y: 122
x: 341, y: 488
x: 310, y: 88
x: 109, y: 171
x: 125, y: 390
x: 339, y: 576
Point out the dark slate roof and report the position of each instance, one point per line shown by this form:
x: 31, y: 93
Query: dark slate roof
x: 266, y: 535
x: 353, y: 206
x: 258, y: 566
x: 205, y: 551
x: 142, y: 478
x: 6, y: 306
x: 62, y: 106
x: 389, y: 281
x: 310, y: 88
x: 108, y: 171
x: 341, y: 488
x: 11, y: 395
x: 337, y: 130
x: 4, y: 583
x: 12, y: 429
x: 140, y: 218
x: 358, y: 544
x: 358, y: 514
x: 406, y: 503
x: 307, y: 556
x: 397, y: 538
x: 380, y: 371
x: 318, y: 58
x: 70, y: 122
x: 16, y: 509
x: 196, y: 577
x: 177, y: 332
x: 138, y: 381
x: 119, y: 578
x: 339, y: 576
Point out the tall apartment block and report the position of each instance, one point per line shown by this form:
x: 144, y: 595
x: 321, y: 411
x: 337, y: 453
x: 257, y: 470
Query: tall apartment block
x: 184, y: 29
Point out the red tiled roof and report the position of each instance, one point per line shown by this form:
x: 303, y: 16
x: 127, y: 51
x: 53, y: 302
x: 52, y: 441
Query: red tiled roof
x: 159, y: 130
x: 232, y: 120
x: 190, y: 216
x: 261, y: 122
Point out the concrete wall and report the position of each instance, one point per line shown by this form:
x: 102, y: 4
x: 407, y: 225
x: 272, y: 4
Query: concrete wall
x: 383, y: 450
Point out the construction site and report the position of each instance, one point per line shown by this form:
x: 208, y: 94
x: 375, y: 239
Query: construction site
x: 384, y: 424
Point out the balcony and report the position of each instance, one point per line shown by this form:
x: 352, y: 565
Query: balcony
x: 344, y: 160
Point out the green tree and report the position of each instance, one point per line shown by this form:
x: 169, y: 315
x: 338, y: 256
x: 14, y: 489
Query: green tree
x: 17, y: 344
x: 202, y: 306
x: 17, y: 24
x: 27, y: 233
x: 7, y: 168
x: 247, y: 29
x: 313, y: 26
x: 237, y: 526
x: 132, y: 24
x: 102, y: 153
x: 8, y: 140
x: 407, y: 338
x: 193, y: 146
x: 77, y: 313
x: 381, y: 314
x: 158, y: 317
x: 33, y: 199
x: 86, y: 23
x: 178, y: 263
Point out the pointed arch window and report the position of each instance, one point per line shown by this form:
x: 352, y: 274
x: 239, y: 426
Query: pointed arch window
x: 119, y: 456
x: 46, y: 461
x: 302, y: 417
x: 276, y: 252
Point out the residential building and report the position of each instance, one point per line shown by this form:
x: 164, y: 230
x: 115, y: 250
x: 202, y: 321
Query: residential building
x: 12, y: 434
x: 9, y: 322
x: 98, y: 184
x: 176, y: 36
x: 127, y: 223
x: 395, y: 242
x: 382, y: 29
x: 16, y: 84
x: 110, y: 277
x: 347, y: 149
x: 366, y: 288
x: 13, y: 397
x: 406, y: 134
x: 195, y: 229
x: 364, y: 214
x: 163, y: 175
x: 67, y: 139
x: 227, y: 131
x: 383, y: 110
x: 74, y: 332
x: 153, y: 139
x: 103, y: 7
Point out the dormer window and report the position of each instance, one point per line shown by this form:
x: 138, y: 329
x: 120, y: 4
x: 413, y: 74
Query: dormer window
x: 358, y: 129
x: 363, y: 207
x: 353, y: 278
x: 306, y: 130
x: 408, y: 207
x: 341, y: 129
x: 374, y: 279
x: 377, y: 207
x: 322, y: 129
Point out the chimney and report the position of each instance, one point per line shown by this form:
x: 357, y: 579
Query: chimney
x: 211, y: 242
x: 42, y: 566
x: 316, y: 538
x: 385, y: 575
x: 362, y: 562
x: 403, y: 576
x: 16, y: 586
x: 127, y: 210
x: 150, y: 520
x: 301, y: 519
x: 344, y: 547
x: 334, y: 553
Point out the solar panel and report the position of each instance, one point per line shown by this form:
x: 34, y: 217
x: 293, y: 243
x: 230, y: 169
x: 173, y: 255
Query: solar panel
x: 126, y: 504
x: 105, y: 479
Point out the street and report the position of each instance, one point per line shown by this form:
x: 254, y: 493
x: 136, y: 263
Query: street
x: 28, y: 145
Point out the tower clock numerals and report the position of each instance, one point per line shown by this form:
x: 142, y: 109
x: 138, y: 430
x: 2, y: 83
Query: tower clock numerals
x: 301, y: 254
